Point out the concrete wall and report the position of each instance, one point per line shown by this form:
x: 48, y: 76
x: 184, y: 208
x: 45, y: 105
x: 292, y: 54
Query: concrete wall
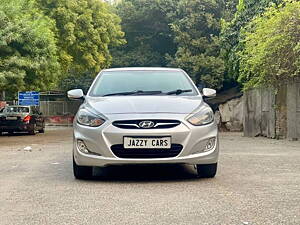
x: 231, y: 115
x: 293, y: 110
x: 281, y: 112
x: 259, y: 113
x: 59, y: 120
x: 274, y: 115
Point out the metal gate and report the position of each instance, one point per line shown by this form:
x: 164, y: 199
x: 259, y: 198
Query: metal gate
x: 59, y: 108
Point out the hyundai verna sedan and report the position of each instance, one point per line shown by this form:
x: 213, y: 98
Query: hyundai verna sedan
x: 144, y: 116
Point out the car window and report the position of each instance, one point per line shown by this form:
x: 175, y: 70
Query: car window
x: 14, y: 109
x: 128, y: 81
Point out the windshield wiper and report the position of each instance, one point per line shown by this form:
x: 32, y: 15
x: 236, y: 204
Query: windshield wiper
x: 178, y: 92
x: 138, y: 92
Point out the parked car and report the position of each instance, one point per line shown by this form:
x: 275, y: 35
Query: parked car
x: 21, y: 119
x: 144, y: 116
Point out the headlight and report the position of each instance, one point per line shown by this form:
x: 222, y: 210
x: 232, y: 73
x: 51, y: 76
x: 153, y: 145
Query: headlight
x: 87, y: 118
x: 202, y: 117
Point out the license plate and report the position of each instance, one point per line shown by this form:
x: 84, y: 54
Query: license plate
x: 11, y: 118
x: 147, y: 143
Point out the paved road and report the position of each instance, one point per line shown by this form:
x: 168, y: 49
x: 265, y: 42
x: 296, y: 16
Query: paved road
x: 258, y: 183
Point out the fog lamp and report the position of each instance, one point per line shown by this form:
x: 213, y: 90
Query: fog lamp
x: 82, y: 147
x: 210, y: 144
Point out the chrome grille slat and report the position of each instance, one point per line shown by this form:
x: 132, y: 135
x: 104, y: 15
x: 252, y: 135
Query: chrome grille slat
x: 165, y: 124
x: 134, y: 124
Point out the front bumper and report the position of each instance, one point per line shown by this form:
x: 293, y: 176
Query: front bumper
x: 99, y: 141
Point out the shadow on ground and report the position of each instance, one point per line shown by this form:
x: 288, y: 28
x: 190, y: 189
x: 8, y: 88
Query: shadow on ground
x: 15, y: 134
x: 134, y: 173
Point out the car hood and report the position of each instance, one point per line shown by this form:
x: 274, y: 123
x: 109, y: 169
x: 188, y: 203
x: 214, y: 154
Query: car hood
x: 144, y: 104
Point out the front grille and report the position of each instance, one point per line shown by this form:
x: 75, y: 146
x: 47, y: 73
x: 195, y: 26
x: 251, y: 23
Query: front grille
x: 134, y: 124
x: 121, y: 152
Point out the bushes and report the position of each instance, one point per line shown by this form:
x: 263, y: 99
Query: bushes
x: 28, y: 51
x: 45, y: 42
x: 272, y: 47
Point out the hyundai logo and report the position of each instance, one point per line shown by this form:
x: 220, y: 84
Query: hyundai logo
x: 146, y: 124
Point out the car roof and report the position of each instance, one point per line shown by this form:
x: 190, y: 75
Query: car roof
x: 142, y: 69
x: 18, y: 106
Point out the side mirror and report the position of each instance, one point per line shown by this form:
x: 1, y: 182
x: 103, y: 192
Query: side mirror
x: 75, y: 94
x: 208, y: 92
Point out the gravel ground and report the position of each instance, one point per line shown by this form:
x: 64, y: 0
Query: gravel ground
x: 258, y: 183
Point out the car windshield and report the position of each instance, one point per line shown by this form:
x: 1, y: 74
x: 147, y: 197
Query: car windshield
x: 14, y: 109
x: 142, y: 83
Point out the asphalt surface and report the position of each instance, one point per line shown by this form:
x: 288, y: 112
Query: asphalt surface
x: 258, y: 183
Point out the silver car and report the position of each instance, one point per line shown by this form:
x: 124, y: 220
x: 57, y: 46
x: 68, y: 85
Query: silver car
x: 144, y: 116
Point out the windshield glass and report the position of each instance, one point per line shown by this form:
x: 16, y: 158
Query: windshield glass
x: 14, y: 109
x: 146, y: 82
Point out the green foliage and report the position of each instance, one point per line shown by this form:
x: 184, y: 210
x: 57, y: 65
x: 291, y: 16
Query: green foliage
x: 77, y: 80
x: 45, y: 43
x: 85, y: 31
x: 174, y: 33
x: 231, y: 39
x: 271, y: 51
x: 197, y: 27
x: 230, y: 9
x: 147, y: 31
x: 28, y: 53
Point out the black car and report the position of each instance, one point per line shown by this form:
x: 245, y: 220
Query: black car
x: 21, y: 119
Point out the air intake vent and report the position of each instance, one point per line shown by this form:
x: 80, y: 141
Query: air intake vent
x: 120, y: 152
x: 138, y: 124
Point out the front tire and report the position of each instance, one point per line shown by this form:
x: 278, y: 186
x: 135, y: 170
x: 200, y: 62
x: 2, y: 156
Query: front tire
x: 207, y: 170
x: 82, y: 172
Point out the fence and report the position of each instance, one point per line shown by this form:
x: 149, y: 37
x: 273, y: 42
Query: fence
x: 59, y: 112
x: 59, y: 108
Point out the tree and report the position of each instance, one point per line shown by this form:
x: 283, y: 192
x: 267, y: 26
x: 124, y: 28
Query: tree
x: 230, y: 36
x: 272, y: 47
x: 197, y: 27
x: 147, y: 31
x: 85, y: 29
x: 230, y: 9
x: 28, y: 53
